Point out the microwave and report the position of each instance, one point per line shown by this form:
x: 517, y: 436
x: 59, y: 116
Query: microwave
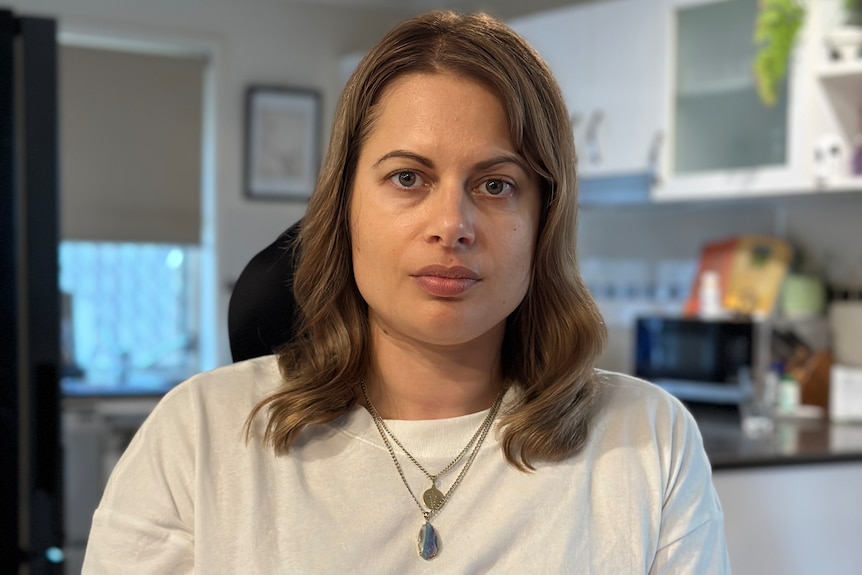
x: 710, y: 361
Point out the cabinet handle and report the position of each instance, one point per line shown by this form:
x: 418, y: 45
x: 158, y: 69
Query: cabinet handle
x: 594, y: 149
x: 654, y: 155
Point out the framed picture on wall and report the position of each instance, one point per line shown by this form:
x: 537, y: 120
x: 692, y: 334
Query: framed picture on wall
x: 282, y: 145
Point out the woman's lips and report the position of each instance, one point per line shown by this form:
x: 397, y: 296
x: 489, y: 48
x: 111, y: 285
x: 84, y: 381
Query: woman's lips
x: 444, y: 281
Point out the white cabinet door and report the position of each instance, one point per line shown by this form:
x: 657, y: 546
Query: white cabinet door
x: 607, y: 57
x: 562, y: 38
x: 722, y: 141
x: 793, y: 519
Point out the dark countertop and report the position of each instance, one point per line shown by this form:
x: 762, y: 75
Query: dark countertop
x: 793, y: 441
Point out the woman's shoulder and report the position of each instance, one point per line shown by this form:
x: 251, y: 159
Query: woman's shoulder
x: 621, y: 388
x: 638, y: 420
x: 639, y: 403
x: 231, y: 387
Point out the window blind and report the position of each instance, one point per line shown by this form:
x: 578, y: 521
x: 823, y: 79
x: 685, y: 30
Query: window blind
x: 130, y: 146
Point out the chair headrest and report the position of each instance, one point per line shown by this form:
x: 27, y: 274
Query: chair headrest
x: 262, y: 309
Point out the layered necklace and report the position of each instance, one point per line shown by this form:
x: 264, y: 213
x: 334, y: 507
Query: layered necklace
x: 428, y: 543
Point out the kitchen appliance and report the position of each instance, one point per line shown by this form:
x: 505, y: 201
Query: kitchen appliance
x: 845, y: 393
x: 712, y: 361
x: 845, y: 326
x: 31, y: 526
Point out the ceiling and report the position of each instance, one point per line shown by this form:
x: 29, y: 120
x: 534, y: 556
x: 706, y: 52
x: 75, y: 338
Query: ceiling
x: 504, y: 9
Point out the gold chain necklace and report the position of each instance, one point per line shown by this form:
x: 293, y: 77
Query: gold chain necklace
x: 428, y: 543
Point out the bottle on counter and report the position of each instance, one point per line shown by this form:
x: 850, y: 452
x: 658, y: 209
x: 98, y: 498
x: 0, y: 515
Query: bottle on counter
x: 771, y: 382
x: 789, y: 395
x: 709, y: 295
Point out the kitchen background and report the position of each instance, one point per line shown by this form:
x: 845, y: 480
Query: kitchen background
x: 156, y: 226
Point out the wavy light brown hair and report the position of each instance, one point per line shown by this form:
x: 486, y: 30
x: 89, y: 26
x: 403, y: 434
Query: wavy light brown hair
x: 552, y: 339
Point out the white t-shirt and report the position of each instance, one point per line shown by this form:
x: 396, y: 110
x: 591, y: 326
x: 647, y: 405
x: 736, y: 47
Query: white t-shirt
x: 190, y: 495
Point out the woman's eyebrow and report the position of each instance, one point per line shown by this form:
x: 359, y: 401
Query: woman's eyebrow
x: 503, y: 159
x: 404, y: 154
x: 483, y: 165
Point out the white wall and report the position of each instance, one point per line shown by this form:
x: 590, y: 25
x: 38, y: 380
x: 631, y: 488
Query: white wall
x: 252, y: 41
x: 634, y: 250
x: 823, y: 225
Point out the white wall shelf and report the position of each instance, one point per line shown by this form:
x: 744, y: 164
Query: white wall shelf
x: 841, y: 184
x: 841, y: 70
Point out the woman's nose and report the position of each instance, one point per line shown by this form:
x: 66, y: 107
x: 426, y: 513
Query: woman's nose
x: 451, y: 217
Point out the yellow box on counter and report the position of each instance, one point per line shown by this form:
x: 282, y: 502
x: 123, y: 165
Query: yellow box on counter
x: 845, y: 393
x: 750, y: 270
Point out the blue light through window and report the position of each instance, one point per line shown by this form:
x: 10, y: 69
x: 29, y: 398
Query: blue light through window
x: 131, y: 316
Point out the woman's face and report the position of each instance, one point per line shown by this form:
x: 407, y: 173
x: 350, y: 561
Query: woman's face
x: 443, y: 214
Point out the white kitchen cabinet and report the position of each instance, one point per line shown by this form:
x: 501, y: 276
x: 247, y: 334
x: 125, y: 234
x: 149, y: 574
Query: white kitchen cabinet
x: 793, y: 519
x: 607, y: 57
x: 723, y: 142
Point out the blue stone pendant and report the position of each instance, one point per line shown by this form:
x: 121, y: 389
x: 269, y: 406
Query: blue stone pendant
x: 429, y: 545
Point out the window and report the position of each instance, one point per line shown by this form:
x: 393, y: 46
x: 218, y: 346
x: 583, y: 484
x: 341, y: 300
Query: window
x: 130, y: 316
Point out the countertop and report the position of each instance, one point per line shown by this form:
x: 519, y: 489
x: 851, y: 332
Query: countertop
x: 793, y: 441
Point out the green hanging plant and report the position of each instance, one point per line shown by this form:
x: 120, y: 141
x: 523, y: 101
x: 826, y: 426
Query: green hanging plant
x: 777, y: 25
x: 853, y: 12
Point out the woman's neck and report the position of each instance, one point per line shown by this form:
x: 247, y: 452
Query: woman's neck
x: 412, y: 381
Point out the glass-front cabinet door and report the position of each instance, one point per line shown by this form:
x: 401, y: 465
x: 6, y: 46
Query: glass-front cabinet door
x: 720, y: 122
x: 724, y: 142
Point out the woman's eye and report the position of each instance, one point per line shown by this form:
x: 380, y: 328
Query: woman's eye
x: 406, y: 179
x: 496, y: 186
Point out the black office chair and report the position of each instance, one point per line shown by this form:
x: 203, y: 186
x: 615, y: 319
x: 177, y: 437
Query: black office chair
x: 262, y: 309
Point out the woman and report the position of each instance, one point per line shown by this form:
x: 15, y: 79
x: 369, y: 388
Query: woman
x: 438, y: 410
